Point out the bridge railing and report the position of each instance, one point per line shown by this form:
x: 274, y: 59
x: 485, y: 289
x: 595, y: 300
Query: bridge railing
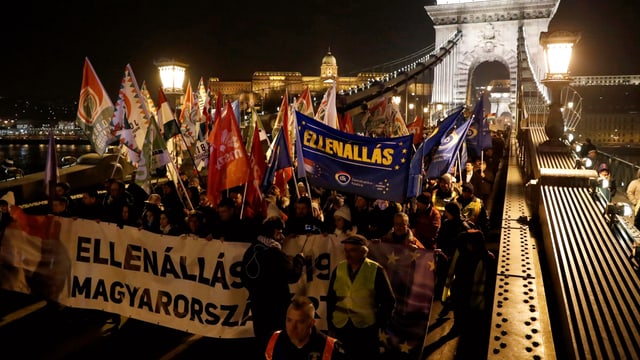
x: 588, y: 269
x: 394, y: 81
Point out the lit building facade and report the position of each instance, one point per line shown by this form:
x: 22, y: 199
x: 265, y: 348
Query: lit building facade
x: 266, y: 88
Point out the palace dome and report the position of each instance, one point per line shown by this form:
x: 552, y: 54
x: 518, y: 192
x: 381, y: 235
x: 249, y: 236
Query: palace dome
x: 329, y: 59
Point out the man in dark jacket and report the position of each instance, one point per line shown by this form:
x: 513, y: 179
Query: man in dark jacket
x: 267, y: 272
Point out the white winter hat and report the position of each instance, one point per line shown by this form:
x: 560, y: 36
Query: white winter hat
x: 344, y: 213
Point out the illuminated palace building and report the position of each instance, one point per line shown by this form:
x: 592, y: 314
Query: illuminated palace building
x: 610, y: 104
x: 266, y: 88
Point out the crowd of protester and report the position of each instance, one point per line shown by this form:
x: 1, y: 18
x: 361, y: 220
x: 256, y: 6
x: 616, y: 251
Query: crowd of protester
x: 449, y: 216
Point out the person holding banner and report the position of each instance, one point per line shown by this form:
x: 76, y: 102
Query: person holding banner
x: 267, y: 272
x: 360, y: 300
x: 5, y: 216
x: 302, y: 221
x: 301, y: 339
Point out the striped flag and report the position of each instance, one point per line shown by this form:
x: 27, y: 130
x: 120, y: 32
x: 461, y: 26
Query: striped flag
x: 167, y: 118
x: 155, y: 148
x: 202, y: 96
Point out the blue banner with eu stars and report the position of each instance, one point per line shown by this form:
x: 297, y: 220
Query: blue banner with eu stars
x: 377, y: 168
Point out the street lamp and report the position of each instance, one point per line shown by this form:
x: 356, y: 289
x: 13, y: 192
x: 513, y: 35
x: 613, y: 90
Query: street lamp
x: 557, y: 47
x: 172, y: 74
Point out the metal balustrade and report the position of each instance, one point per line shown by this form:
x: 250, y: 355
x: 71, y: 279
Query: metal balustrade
x: 591, y: 286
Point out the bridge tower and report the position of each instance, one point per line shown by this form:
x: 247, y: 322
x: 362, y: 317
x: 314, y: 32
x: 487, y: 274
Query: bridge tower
x: 489, y: 34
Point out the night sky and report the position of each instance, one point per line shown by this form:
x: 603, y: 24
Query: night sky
x: 45, y: 42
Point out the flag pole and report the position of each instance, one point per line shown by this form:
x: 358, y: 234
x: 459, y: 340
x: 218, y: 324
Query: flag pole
x: 115, y: 165
x: 193, y: 161
x: 51, y: 170
x: 184, y: 190
x: 244, y: 193
x: 185, y: 141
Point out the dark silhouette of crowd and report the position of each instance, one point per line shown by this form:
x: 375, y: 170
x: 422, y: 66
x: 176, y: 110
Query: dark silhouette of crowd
x: 449, y: 216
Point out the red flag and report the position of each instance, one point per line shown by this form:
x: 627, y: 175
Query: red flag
x: 346, y: 124
x: 258, y: 163
x: 229, y: 165
x: 417, y: 129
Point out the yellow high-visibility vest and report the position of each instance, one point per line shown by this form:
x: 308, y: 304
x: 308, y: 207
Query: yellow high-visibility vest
x: 355, y: 299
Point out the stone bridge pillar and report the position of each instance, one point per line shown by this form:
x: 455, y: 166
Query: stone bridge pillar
x: 489, y: 33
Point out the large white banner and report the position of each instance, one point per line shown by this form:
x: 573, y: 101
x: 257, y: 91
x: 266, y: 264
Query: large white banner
x: 182, y: 282
x: 188, y: 283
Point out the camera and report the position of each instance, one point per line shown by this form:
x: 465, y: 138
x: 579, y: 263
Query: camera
x: 311, y: 229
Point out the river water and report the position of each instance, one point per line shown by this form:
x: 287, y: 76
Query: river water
x: 32, y: 158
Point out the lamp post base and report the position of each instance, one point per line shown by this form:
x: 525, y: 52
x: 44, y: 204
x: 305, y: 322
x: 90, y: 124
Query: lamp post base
x: 554, y: 146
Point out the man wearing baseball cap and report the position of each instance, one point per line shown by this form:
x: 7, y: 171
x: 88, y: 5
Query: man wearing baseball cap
x: 360, y: 300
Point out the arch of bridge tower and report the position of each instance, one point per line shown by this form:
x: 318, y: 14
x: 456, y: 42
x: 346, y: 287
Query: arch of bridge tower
x: 489, y: 33
x: 472, y: 60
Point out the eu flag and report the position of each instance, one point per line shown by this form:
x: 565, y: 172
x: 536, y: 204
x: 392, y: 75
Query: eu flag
x: 279, y: 159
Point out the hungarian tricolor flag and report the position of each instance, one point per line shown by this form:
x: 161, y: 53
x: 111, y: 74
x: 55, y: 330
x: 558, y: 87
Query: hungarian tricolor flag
x: 166, y: 117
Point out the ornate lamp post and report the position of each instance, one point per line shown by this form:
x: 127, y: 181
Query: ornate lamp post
x: 172, y: 74
x: 557, y: 47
